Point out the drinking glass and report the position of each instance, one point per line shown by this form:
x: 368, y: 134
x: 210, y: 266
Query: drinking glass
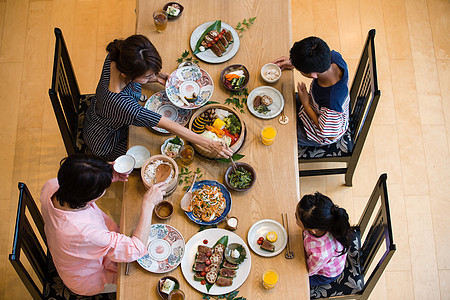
x: 270, y: 278
x: 186, y: 155
x: 160, y: 19
x: 268, y: 134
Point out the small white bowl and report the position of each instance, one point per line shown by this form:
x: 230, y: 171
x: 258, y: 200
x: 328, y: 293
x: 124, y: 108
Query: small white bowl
x: 270, y: 67
x: 163, y: 146
x: 140, y: 155
x: 124, y: 164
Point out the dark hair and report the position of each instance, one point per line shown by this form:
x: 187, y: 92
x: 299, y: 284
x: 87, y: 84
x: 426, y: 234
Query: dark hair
x: 317, y: 211
x: 310, y: 55
x: 134, y: 56
x: 82, y: 178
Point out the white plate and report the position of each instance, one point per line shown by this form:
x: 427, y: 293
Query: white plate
x: 165, y: 249
x: 213, y: 235
x: 140, y: 155
x: 262, y: 228
x: 208, y: 55
x: 275, y: 108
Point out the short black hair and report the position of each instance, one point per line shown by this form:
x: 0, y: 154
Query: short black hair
x: 82, y: 178
x: 310, y: 55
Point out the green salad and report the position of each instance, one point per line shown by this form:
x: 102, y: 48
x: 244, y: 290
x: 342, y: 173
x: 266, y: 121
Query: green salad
x: 241, y: 178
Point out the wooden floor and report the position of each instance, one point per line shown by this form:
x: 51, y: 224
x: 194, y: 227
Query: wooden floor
x: 409, y: 139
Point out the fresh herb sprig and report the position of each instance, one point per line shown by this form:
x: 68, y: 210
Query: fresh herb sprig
x: 244, y: 25
x: 185, y: 56
x: 238, y: 99
x: 229, y: 296
x: 186, y: 176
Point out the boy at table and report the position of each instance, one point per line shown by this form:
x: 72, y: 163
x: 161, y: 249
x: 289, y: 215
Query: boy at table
x: 324, y: 111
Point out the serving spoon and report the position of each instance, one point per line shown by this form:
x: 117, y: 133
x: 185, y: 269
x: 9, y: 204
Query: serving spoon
x: 186, y: 200
x: 162, y: 173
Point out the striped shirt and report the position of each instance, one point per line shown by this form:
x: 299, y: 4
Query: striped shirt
x: 110, y: 114
x: 323, y: 255
x: 331, y: 104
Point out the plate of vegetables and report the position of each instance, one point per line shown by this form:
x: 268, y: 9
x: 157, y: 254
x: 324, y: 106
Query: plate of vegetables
x: 210, y: 203
x: 235, y: 77
x: 171, y: 147
x: 241, y: 179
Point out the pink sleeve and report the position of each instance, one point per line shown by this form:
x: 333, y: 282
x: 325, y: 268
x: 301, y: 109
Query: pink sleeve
x: 314, y: 255
x: 110, y: 222
x: 124, y: 248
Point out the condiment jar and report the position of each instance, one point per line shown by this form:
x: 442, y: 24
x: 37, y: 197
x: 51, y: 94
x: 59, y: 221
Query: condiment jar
x: 232, y: 223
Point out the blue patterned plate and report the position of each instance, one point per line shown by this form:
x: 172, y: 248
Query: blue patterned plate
x: 189, y: 87
x: 160, y: 104
x: 165, y: 249
x: 226, y: 195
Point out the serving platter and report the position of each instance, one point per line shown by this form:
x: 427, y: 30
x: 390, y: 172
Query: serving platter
x: 189, y: 82
x: 160, y: 103
x: 275, y: 108
x: 208, y: 55
x: 260, y: 229
x: 166, y: 248
x: 213, y: 235
x: 226, y: 194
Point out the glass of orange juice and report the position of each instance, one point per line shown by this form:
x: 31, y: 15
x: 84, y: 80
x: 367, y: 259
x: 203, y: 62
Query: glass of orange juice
x: 268, y: 134
x: 270, y: 278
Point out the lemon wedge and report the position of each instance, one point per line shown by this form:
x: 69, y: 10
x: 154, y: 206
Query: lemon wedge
x: 272, y: 236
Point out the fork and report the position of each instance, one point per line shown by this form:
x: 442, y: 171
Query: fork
x: 289, y: 253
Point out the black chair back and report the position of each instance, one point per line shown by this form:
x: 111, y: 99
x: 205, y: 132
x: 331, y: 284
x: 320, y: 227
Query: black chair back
x: 65, y: 94
x: 380, y: 232
x: 27, y: 241
x: 364, y: 98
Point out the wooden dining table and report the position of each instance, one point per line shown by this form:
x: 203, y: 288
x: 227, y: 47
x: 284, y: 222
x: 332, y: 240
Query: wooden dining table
x: 276, y: 189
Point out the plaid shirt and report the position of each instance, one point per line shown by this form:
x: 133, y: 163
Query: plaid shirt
x: 322, y: 255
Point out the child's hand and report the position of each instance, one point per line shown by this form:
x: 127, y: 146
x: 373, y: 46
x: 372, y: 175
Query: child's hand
x: 162, y: 78
x: 284, y: 63
x: 117, y: 176
x: 303, y: 94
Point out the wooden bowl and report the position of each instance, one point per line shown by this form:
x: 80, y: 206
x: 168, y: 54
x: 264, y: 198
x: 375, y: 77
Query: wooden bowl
x: 236, y: 146
x: 233, y: 68
x: 173, y: 17
x: 164, y: 210
x: 172, y: 184
x: 160, y: 283
x: 230, y: 170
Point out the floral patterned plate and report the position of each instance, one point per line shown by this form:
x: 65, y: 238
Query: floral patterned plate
x: 160, y: 104
x: 189, y: 87
x: 165, y: 249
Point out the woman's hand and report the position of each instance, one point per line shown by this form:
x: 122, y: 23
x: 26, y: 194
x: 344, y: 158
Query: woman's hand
x: 162, y: 78
x: 219, y: 149
x: 154, y: 195
x: 284, y: 63
x: 117, y: 176
x: 303, y: 94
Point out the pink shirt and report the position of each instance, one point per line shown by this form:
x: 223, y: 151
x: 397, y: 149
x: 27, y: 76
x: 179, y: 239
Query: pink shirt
x: 85, y: 244
x: 322, y: 255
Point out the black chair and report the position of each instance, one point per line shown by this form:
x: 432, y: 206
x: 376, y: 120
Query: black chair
x: 34, y: 245
x: 364, y: 97
x: 68, y: 104
x: 360, y: 260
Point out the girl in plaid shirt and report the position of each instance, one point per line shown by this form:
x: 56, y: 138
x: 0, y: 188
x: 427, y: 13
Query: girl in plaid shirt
x: 326, y: 237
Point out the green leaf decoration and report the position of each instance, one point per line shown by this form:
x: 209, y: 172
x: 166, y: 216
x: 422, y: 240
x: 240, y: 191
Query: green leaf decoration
x: 235, y: 157
x: 217, y: 25
x: 229, y: 296
x: 211, y: 102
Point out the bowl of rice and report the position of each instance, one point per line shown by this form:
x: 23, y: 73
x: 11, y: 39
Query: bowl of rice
x: 150, y: 169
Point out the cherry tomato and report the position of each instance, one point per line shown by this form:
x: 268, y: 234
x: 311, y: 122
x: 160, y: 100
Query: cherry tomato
x: 203, y: 282
x: 207, y: 262
x: 203, y: 273
x: 261, y: 239
x: 209, y: 45
x: 220, y: 35
x: 207, y: 269
x: 216, y: 39
x: 208, y: 254
x: 259, y: 242
x: 205, y: 242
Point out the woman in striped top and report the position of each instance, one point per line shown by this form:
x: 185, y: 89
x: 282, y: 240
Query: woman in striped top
x: 324, y: 111
x: 130, y: 63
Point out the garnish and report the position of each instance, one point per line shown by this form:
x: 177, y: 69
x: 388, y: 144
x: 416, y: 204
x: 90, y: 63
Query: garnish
x: 217, y: 25
x: 229, y: 296
x: 235, y: 157
x: 244, y: 25
x: 238, y: 98
x: 186, y: 57
x: 186, y: 176
x: 176, y: 140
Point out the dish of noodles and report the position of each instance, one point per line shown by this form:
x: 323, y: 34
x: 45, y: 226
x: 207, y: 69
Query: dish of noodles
x: 210, y: 203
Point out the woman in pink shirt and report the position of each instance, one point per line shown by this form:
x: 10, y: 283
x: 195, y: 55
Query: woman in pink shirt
x: 84, y: 242
x: 326, y: 237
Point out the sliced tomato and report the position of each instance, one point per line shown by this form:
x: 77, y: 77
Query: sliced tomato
x: 216, y: 39
x: 203, y: 282
x: 220, y: 35
x: 207, y: 262
x: 208, y: 254
x: 207, y: 269
x: 205, y: 241
x: 203, y: 273
x: 209, y: 45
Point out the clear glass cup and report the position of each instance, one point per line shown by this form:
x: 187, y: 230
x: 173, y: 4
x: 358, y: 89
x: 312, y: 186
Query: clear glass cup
x: 268, y: 134
x: 270, y: 278
x: 176, y: 295
x: 186, y: 155
x: 160, y: 19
